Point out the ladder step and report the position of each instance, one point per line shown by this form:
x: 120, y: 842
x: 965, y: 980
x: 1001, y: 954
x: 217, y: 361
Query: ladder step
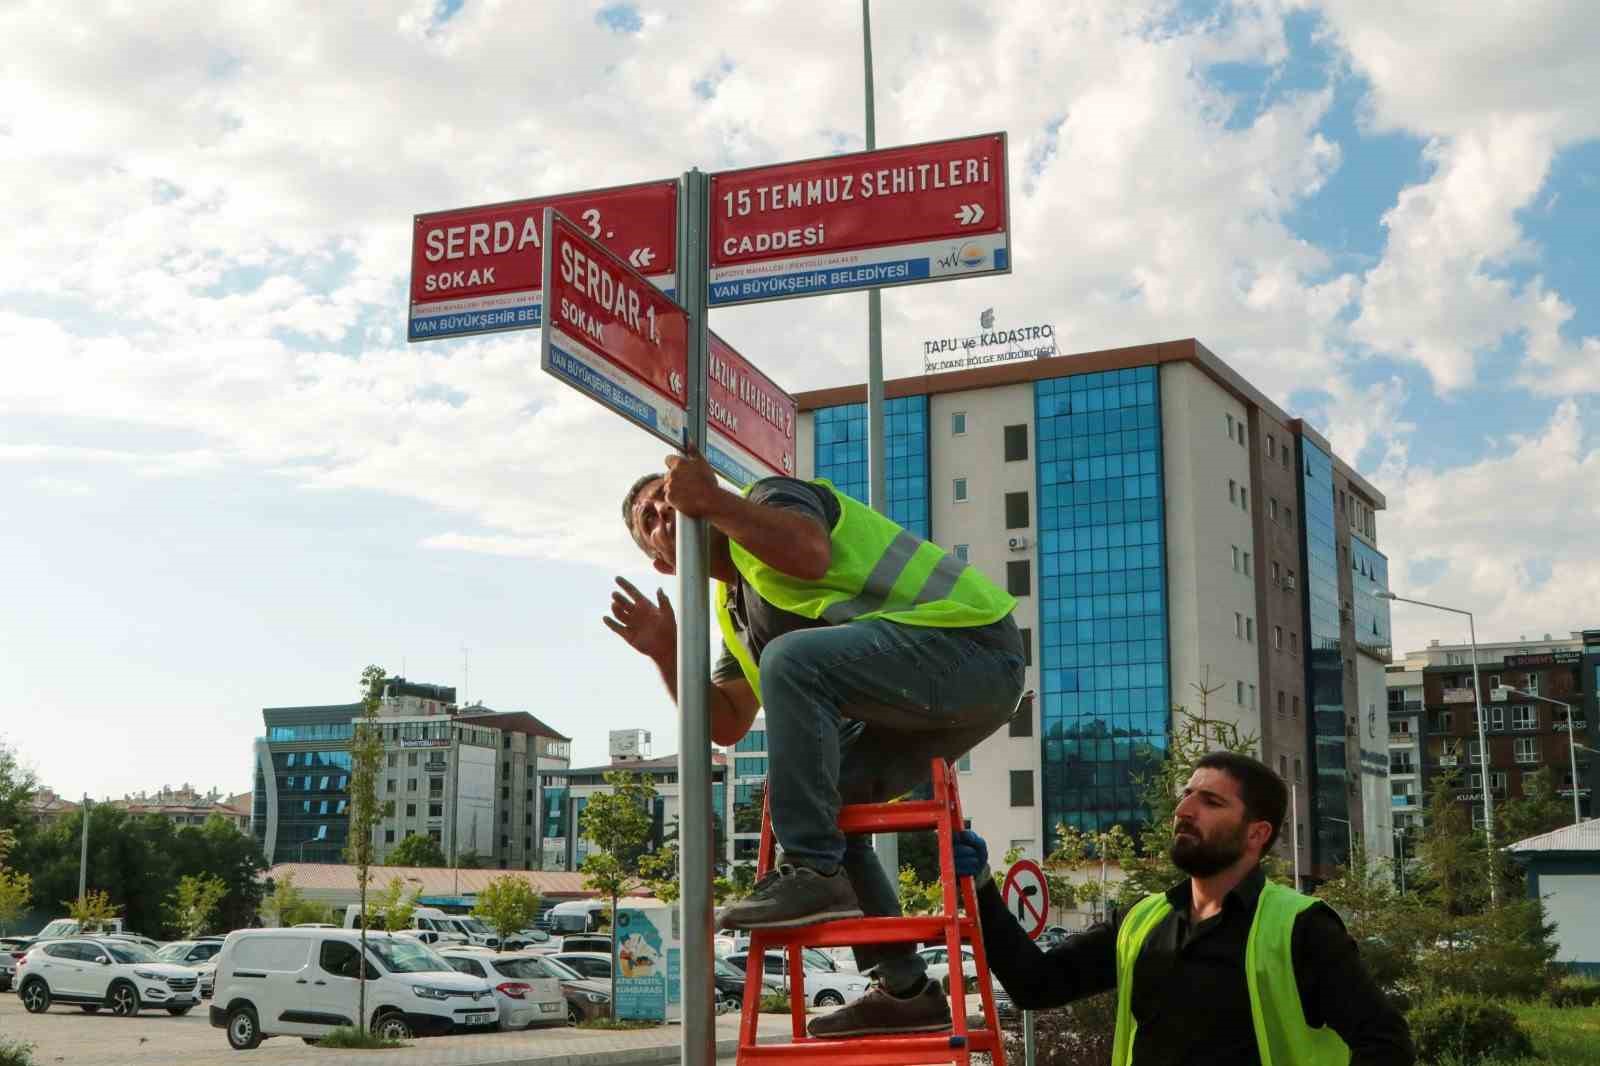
x: 872, y: 1050
x: 890, y: 817
x: 848, y: 932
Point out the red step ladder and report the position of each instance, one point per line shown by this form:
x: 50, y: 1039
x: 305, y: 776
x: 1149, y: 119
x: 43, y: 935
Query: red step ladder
x: 953, y: 927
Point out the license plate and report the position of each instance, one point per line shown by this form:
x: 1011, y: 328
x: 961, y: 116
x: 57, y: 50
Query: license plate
x: 480, y: 1018
x: 550, y: 1008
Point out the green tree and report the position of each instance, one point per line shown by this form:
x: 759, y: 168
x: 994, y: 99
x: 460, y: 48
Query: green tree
x: 1452, y: 856
x: 468, y: 860
x: 16, y: 892
x: 93, y: 910
x: 918, y: 896
x: 392, y: 908
x: 286, y: 902
x: 617, y: 822
x: 366, y: 760
x: 1538, y: 810
x: 194, y: 903
x: 17, y: 788
x: 507, y: 904
x: 417, y: 850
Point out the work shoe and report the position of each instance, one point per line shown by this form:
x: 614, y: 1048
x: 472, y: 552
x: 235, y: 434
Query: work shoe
x: 789, y: 896
x: 880, y: 1012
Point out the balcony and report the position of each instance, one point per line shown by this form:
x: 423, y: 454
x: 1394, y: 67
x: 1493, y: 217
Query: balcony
x: 1402, y: 802
x: 1402, y: 738
x: 1402, y: 767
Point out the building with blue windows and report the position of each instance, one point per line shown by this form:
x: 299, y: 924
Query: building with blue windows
x: 1167, y: 530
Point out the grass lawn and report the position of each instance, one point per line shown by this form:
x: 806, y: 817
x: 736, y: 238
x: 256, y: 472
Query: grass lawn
x: 1566, y: 1035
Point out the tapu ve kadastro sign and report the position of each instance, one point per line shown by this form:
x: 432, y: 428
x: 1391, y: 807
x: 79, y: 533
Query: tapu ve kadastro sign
x: 478, y: 269
x: 611, y: 334
x: 894, y: 216
x: 750, y: 422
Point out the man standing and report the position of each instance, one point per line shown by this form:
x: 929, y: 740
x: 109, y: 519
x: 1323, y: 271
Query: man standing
x: 872, y: 651
x: 1225, y: 968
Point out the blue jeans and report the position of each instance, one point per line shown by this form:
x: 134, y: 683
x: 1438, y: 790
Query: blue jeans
x: 856, y: 713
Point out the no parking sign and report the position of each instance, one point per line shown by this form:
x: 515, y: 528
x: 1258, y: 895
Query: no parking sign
x: 1026, y: 896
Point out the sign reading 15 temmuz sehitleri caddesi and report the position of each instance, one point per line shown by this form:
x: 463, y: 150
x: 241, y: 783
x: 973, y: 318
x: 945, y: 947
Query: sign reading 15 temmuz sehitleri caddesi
x: 477, y: 269
x: 750, y: 422
x: 611, y: 334
x: 894, y: 216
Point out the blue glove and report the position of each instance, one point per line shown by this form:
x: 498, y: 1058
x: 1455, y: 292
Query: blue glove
x: 971, y: 854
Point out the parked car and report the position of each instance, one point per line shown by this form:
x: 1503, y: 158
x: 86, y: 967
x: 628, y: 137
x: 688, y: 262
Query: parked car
x: 529, y: 993
x: 586, y: 942
x: 12, y: 948
x: 148, y: 943
x: 593, y: 964
x: 824, y: 988
x: 586, y: 998
x: 61, y: 927
x: 201, y: 955
x: 306, y: 982
x: 91, y: 973
x: 938, y: 960
x: 730, y: 987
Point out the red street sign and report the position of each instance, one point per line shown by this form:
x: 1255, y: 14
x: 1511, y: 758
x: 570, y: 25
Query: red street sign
x: 612, y: 334
x: 749, y: 420
x: 894, y: 216
x: 477, y: 269
x: 1025, y: 893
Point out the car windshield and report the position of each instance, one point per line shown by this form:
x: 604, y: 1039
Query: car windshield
x: 125, y: 951
x: 724, y: 970
x: 175, y: 951
x: 59, y: 927
x: 474, y: 925
x: 406, y: 956
x: 562, y: 970
x: 524, y: 968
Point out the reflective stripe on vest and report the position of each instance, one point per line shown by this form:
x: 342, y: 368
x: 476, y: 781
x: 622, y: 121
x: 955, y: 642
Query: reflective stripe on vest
x: 879, y: 587
x: 1282, y: 1036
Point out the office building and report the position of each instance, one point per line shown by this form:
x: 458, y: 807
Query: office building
x: 1521, y: 687
x: 1164, y: 525
x: 466, y: 777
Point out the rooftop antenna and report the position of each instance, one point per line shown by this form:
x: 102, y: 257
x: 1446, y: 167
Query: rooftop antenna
x: 465, y: 673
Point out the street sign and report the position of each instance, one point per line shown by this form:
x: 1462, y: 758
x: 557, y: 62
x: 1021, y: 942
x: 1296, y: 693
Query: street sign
x: 895, y: 216
x: 1026, y: 895
x: 478, y: 269
x: 750, y: 422
x: 612, y: 334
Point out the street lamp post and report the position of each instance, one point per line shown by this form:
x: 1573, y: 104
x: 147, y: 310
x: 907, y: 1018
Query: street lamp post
x: 1572, y: 743
x: 1350, y: 834
x: 1483, y: 740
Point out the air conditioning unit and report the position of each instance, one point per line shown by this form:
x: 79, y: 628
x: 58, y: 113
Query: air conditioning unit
x: 1018, y: 544
x: 1288, y: 584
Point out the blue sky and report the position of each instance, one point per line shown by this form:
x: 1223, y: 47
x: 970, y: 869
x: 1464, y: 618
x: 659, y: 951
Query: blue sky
x: 234, y: 484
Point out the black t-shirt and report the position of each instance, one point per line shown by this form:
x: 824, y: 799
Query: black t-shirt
x: 760, y: 622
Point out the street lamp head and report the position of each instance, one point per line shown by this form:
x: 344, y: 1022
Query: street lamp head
x: 1386, y: 596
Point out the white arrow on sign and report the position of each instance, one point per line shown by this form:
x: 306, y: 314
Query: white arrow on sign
x: 969, y: 214
x: 641, y: 257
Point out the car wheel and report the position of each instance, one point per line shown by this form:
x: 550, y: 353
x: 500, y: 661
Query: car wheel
x: 729, y: 1005
x: 392, y: 1027
x: 312, y: 1040
x: 90, y: 1008
x: 179, y: 1012
x: 124, y: 1000
x: 244, y: 1030
x: 829, y: 998
x: 574, y: 1015
x: 35, y: 997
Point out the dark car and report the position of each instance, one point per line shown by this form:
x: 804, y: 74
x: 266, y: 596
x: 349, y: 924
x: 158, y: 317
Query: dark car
x: 730, y: 987
x: 586, y: 998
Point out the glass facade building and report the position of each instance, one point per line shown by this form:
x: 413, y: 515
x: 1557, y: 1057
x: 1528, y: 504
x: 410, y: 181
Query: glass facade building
x: 1101, y: 593
x: 1369, y: 575
x: 840, y: 454
x: 313, y: 794
x: 1330, y: 800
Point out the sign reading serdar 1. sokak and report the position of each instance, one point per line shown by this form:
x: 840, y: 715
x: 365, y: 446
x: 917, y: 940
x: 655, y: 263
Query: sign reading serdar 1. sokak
x: 894, y: 216
x: 477, y: 269
x: 611, y: 334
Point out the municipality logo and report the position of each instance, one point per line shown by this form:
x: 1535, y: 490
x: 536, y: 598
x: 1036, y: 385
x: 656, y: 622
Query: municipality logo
x: 986, y: 318
x: 970, y: 256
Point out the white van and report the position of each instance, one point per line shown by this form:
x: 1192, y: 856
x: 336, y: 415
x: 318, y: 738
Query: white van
x: 448, y: 929
x: 303, y: 982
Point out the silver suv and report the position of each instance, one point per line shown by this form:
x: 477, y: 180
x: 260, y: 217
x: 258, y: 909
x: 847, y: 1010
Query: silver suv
x: 91, y: 973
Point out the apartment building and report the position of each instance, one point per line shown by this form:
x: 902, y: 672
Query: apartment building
x: 1164, y: 525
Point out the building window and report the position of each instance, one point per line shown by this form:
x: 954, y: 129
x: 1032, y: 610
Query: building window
x: 1238, y: 625
x: 1016, y: 510
x: 411, y: 784
x: 1238, y: 693
x: 1272, y: 446
x: 1277, y: 574
x: 1022, y: 720
x: 388, y: 836
x: 505, y: 792
x: 1497, y: 718
x: 394, y: 760
x: 1252, y: 697
x: 1288, y: 516
x: 958, y: 490
x: 958, y: 423
x: 964, y: 764
x: 1282, y: 701
x: 1297, y: 771
x: 1532, y: 686
x: 1244, y: 498
x: 1272, y: 508
x: 1277, y: 638
x: 1523, y: 748
x: 389, y: 785
x: 1283, y: 767
x: 1235, y: 548
x: 411, y: 810
x: 1525, y: 716
x: 961, y: 552
x: 1233, y: 491
x: 1250, y: 629
x: 1230, y: 425
x: 435, y: 810
x: 1296, y: 707
x: 1022, y: 788
x: 1027, y: 646
x: 1241, y: 433
x: 411, y: 758
x: 1247, y: 563
x: 1019, y: 577
x: 1016, y: 443
x: 1475, y: 751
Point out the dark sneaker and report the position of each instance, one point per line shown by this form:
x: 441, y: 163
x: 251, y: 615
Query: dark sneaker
x: 789, y: 896
x: 879, y: 1013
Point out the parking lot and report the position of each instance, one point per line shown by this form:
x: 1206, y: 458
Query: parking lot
x: 68, y: 1036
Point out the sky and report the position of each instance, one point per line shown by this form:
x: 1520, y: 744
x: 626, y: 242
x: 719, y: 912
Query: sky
x: 230, y: 483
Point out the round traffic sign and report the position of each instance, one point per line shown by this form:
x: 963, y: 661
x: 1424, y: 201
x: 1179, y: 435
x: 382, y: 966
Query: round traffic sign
x: 1026, y: 896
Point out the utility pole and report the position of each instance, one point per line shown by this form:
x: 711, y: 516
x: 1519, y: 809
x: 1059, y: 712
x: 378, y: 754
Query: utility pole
x: 83, y: 854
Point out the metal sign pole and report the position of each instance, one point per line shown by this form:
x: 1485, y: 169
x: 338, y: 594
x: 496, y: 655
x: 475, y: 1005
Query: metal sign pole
x: 1030, y: 1040
x: 699, y: 1040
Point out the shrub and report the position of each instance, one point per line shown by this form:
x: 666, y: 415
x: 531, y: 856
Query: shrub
x: 16, y: 1052
x: 1080, y: 1034
x: 349, y: 1037
x: 1574, y: 990
x: 774, y: 1003
x: 1467, y: 1029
